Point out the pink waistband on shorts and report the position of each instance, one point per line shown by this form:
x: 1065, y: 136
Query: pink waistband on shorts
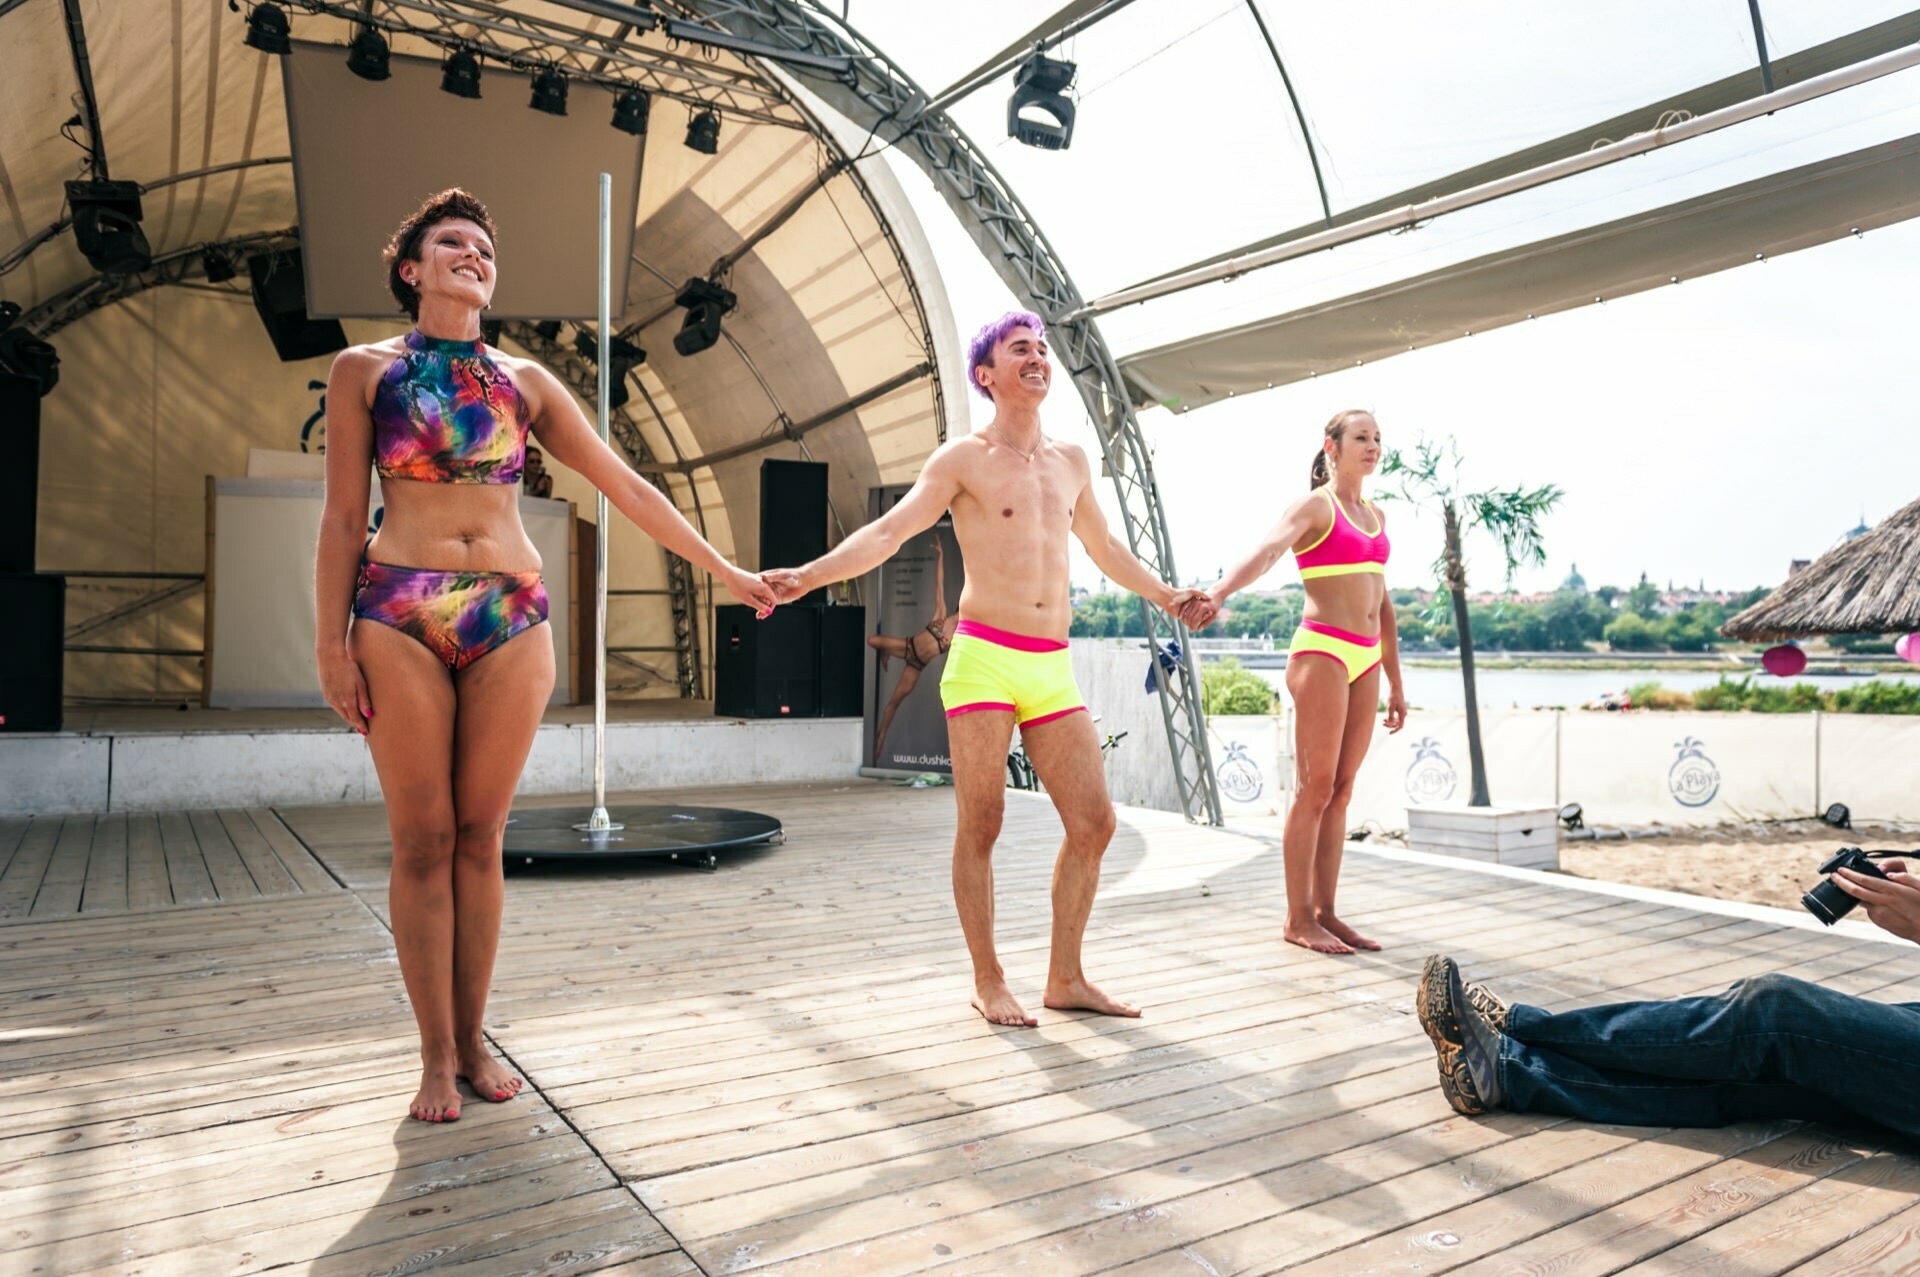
x: 1332, y: 631
x: 1005, y: 638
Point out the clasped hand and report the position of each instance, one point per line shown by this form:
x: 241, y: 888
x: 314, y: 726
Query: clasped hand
x: 1195, y: 609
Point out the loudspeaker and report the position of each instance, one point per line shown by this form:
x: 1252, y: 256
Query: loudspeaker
x: 280, y: 295
x: 843, y: 643
x: 32, y: 651
x: 20, y: 476
x: 769, y: 668
x: 793, y: 517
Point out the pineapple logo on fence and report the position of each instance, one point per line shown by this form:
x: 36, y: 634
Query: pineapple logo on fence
x: 1239, y: 775
x: 1430, y: 778
x: 1693, y: 780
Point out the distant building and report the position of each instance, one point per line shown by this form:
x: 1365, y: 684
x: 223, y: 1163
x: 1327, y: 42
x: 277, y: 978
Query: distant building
x: 1575, y: 583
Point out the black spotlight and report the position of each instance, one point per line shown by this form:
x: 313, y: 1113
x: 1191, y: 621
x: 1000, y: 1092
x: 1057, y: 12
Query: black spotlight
x: 1572, y: 817
x: 703, y: 133
x: 24, y: 354
x: 1040, y: 84
x: 368, y: 55
x: 217, y: 266
x: 106, y: 226
x: 549, y: 329
x: 549, y: 93
x: 622, y: 358
x: 630, y: 112
x: 268, y: 29
x: 1838, y: 816
x: 706, y: 303
x: 460, y: 74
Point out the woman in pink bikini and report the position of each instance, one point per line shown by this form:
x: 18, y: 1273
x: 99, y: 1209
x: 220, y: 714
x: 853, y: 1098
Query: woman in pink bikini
x: 1339, y: 539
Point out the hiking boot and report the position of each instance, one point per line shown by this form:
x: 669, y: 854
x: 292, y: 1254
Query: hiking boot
x: 1464, y: 1039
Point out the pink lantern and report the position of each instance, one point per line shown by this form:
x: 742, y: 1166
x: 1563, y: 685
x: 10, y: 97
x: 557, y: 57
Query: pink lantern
x: 1907, y: 648
x: 1783, y: 661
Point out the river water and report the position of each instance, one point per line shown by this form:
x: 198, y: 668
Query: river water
x: 1531, y: 689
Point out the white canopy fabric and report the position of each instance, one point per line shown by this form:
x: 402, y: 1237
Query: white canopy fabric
x: 174, y: 384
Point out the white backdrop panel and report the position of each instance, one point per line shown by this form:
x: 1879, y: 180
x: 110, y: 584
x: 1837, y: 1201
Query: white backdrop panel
x: 1426, y: 763
x: 1871, y: 762
x: 1687, y: 769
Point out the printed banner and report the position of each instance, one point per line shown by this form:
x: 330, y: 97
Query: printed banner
x: 915, y: 607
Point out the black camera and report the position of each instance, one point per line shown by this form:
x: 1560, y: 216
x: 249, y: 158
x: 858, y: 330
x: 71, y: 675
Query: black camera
x: 1830, y: 903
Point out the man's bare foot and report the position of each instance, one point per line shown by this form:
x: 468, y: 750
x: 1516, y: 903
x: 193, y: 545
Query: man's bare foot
x: 1083, y: 995
x: 1311, y: 935
x: 997, y: 1003
x: 1342, y: 932
x: 490, y: 1080
x: 438, y: 1099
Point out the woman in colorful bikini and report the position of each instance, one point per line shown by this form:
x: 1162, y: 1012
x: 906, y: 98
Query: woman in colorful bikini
x: 1345, y: 642
x: 448, y: 682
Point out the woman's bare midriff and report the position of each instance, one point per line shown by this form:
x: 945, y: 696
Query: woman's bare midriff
x: 453, y: 527
x: 1350, y: 603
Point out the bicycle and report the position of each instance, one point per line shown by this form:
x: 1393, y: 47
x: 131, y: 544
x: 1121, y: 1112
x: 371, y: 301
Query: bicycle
x: 1020, y: 773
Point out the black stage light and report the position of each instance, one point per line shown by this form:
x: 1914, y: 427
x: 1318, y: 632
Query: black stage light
x: 630, y: 112
x: 217, y: 266
x: 549, y: 93
x: 268, y: 29
x: 703, y: 132
x: 1572, y: 817
x: 622, y: 358
x: 460, y: 74
x: 24, y: 354
x: 106, y: 226
x: 706, y: 303
x: 368, y: 55
x: 549, y: 329
x: 1040, y: 84
x: 1838, y: 816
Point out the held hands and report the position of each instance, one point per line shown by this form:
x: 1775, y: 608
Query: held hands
x: 1893, y: 905
x: 1196, y: 609
x: 754, y: 591
x: 345, y: 688
x: 786, y: 584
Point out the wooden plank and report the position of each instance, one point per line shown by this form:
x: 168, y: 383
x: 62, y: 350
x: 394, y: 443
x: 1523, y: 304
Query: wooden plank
x: 11, y: 832
x: 269, y: 875
x: 148, y: 886
x: 229, y: 873
x: 106, y: 887
x: 186, y: 868
x: 299, y: 862
x: 66, y: 875
x: 21, y: 881
x: 1892, y: 1246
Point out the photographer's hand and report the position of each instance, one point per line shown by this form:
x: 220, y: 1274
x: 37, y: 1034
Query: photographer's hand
x: 1892, y: 905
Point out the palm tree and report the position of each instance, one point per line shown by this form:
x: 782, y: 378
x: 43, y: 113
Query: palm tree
x: 1430, y: 476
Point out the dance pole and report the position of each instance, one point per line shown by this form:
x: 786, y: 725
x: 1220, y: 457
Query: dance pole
x: 599, y: 821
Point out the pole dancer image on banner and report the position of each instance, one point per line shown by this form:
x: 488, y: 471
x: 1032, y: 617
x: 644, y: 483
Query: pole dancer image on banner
x: 917, y: 614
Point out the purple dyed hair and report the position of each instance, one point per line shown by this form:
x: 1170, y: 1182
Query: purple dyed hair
x: 980, y: 351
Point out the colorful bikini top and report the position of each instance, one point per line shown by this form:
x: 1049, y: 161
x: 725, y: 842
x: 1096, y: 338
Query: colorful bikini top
x: 445, y: 412
x: 1343, y: 548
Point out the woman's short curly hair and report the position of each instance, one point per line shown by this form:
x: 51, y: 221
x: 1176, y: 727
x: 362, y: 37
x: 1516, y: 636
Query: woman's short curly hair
x: 404, y: 244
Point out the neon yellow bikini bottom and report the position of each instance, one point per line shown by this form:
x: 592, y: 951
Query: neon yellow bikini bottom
x: 1359, y: 654
x: 993, y: 669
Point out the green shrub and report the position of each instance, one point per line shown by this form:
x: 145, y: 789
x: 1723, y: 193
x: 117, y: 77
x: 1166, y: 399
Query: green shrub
x: 1632, y: 633
x: 1226, y: 688
x: 1878, y: 696
x: 1651, y: 695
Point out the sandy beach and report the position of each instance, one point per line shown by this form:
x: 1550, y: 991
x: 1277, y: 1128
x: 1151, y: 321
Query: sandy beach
x: 1761, y: 862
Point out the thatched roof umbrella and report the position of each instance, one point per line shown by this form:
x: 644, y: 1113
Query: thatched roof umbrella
x: 1869, y: 584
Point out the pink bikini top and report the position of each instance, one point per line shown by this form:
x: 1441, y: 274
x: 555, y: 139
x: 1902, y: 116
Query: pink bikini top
x: 1343, y: 548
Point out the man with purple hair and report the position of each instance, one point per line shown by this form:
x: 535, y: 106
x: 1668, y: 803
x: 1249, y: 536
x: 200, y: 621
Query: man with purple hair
x: 1015, y: 496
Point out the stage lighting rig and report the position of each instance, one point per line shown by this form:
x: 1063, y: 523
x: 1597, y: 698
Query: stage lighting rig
x: 460, y: 74
x: 703, y: 132
x: 106, y: 226
x: 24, y: 354
x: 217, y: 266
x: 268, y: 30
x: 714, y: 38
x: 549, y: 92
x: 622, y: 358
x: 706, y: 305
x: 368, y: 55
x: 630, y: 112
x: 1041, y: 84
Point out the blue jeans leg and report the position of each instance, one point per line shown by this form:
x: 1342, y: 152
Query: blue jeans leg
x: 1767, y: 1047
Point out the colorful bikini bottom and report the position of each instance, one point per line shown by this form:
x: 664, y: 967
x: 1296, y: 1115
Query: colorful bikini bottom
x: 458, y: 616
x: 1358, y: 653
x: 995, y: 669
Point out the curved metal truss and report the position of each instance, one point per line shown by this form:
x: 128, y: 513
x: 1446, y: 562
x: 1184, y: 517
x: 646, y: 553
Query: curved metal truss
x: 880, y: 96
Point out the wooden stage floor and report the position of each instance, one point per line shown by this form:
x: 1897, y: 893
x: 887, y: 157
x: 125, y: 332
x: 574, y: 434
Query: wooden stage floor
x: 773, y: 1069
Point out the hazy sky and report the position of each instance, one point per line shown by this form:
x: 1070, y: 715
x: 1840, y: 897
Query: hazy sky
x: 1713, y: 430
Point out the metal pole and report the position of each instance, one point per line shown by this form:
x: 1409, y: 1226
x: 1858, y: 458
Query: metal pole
x: 600, y: 822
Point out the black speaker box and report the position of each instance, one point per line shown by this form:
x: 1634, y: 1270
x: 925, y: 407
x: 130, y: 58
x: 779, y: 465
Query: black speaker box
x: 280, y: 295
x: 793, y: 516
x: 843, y: 644
x: 766, y: 668
x: 20, y: 476
x: 32, y: 649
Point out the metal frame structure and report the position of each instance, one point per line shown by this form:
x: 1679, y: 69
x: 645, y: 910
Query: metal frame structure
x: 879, y: 95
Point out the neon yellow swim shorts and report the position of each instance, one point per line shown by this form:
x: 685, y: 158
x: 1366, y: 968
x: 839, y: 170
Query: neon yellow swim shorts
x: 993, y: 669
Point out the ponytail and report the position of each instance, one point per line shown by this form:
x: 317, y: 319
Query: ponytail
x: 1336, y: 430
x: 1318, y: 475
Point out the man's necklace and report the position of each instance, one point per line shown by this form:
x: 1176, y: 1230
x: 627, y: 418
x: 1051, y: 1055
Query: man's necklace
x: 1028, y: 455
